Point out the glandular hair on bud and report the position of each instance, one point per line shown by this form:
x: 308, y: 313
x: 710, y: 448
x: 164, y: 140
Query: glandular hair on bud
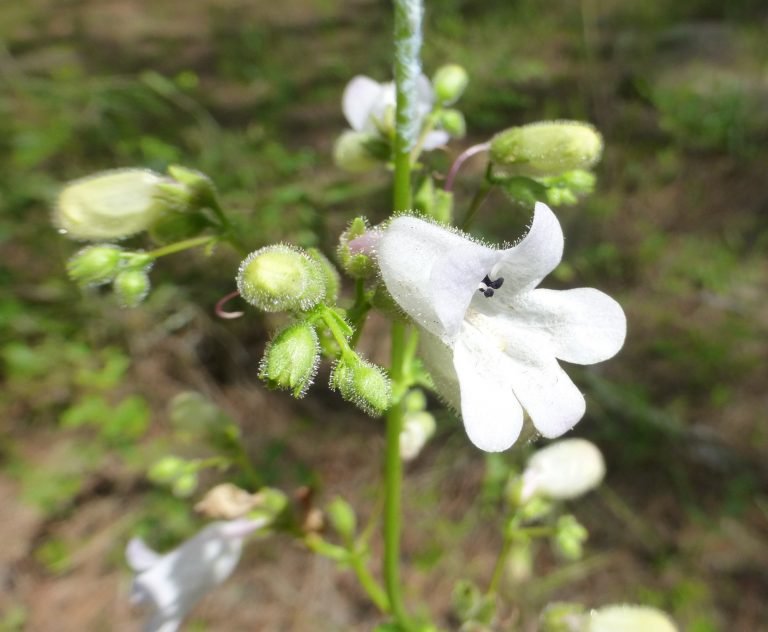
x: 331, y: 277
x: 362, y: 383
x: 449, y: 83
x: 131, y: 287
x: 352, y: 152
x: 355, y: 260
x: 281, y: 278
x: 95, y: 265
x: 291, y: 359
x: 107, y: 205
x: 547, y: 148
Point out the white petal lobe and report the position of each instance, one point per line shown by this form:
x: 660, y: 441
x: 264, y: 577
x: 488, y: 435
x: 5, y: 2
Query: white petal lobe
x: 360, y: 97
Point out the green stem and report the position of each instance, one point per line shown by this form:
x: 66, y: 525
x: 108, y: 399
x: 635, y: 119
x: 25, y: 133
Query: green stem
x: 498, y: 569
x: 179, y: 246
x: 369, y: 584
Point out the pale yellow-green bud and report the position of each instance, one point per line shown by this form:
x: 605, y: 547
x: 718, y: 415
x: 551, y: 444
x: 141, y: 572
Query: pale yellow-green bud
x: 418, y: 428
x: 131, y: 287
x: 185, y: 485
x: 628, y: 618
x: 272, y: 503
x: 362, y: 383
x: 546, y: 149
x: 562, y: 617
x: 453, y: 122
x: 108, y: 205
x: 570, y: 536
x: 449, y: 83
x: 356, y: 260
x: 330, y: 275
x: 167, y: 469
x: 434, y: 201
x: 352, y: 152
x: 95, y: 265
x: 342, y: 518
x: 415, y: 401
x: 281, y: 278
x: 291, y: 359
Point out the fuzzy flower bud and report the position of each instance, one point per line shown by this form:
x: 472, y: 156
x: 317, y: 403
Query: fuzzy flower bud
x: 354, y: 253
x: 291, y: 358
x: 547, y: 148
x: 562, y: 617
x: 453, y: 122
x: 94, y: 265
x: 570, y: 536
x: 331, y: 278
x: 362, y: 383
x: 108, y: 205
x: 449, y: 83
x: 281, y: 278
x: 131, y: 287
x: 563, y: 470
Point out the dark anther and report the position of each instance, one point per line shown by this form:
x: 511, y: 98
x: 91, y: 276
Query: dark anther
x: 490, y: 286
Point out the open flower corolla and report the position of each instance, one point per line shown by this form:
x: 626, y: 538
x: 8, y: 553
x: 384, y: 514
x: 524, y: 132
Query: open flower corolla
x: 170, y: 585
x: 369, y: 107
x: 491, y: 338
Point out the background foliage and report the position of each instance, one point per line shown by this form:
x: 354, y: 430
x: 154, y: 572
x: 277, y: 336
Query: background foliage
x: 249, y: 93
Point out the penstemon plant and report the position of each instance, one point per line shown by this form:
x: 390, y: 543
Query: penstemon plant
x: 468, y: 323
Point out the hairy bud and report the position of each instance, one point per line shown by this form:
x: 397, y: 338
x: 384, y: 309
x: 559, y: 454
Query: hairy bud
x: 570, y: 536
x: 94, y: 265
x: 362, y: 383
x: 449, y: 83
x: 281, y: 278
x: 131, y: 287
x: 291, y: 359
x: 342, y: 518
x: 547, y: 148
x: 354, y: 253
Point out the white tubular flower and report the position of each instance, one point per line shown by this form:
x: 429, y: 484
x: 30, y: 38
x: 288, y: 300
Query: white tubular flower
x: 369, y: 106
x: 628, y: 618
x: 492, y: 339
x: 171, y: 584
x: 563, y: 470
x: 108, y: 205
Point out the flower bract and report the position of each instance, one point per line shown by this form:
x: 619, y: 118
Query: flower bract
x: 170, y: 584
x: 491, y: 338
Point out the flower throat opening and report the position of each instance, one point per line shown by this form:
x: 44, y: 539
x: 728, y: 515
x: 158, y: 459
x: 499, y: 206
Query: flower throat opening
x: 488, y: 287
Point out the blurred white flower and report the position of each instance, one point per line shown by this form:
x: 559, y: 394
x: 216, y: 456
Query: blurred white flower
x: 369, y: 106
x: 170, y: 584
x: 418, y: 428
x: 491, y: 339
x: 108, y: 205
x: 563, y: 470
x: 626, y: 618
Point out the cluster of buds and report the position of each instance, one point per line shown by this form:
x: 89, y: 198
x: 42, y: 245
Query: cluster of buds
x: 369, y: 107
x: 304, y: 283
x: 101, y: 264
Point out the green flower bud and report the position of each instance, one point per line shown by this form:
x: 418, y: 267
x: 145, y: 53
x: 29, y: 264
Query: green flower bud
x: 449, y: 83
x: 470, y: 604
x: 167, y: 470
x: 415, y: 401
x: 330, y: 275
x: 94, y: 265
x: 562, y: 617
x: 569, y: 537
x: 356, y: 262
x: 271, y: 503
x: 362, y: 383
x: 547, y: 148
x: 185, y: 485
x: 108, y: 205
x: 342, y: 518
x: 173, y: 226
x: 434, y: 202
x: 131, y: 287
x: 291, y: 359
x: 453, y: 122
x: 281, y: 278
x: 355, y: 152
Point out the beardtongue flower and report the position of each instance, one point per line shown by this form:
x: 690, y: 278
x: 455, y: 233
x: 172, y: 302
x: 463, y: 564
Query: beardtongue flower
x: 369, y: 106
x: 171, y: 584
x: 492, y: 339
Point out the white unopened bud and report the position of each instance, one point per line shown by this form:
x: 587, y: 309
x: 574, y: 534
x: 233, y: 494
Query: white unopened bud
x: 281, y: 278
x: 547, y: 148
x: 628, y: 618
x: 565, y: 469
x: 108, y: 205
x: 418, y: 428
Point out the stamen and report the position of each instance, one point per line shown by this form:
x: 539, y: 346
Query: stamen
x: 487, y: 286
x: 221, y: 312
